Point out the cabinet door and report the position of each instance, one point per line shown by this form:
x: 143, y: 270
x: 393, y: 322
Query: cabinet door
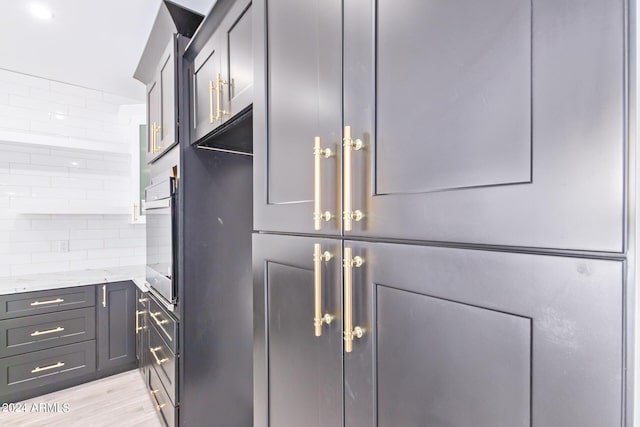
x: 495, y: 122
x: 167, y: 79
x: 238, y: 62
x: 298, y: 80
x: 297, y: 375
x: 116, y: 324
x: 207, y: 66
x: 462, y: 338
x: 140, y: 327
x: 153, y: 118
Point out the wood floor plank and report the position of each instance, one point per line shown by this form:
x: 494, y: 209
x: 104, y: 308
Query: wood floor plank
x: 118, y: 401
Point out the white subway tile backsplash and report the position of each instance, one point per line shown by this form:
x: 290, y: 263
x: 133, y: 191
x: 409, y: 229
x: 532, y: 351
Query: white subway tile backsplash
x: 38, y: 104
x: 14, y: 123
x: 38, y: 178
x: 57, y: 97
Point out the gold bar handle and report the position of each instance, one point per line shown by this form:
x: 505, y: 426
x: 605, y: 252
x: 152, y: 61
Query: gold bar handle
x: 219, y: 111
x: 211, y: 90
x: 318, y: 318
x: 46, y: 368
x: 138, y: 327
x: 158, y: 361
x: 153, y: 137
x: 104, y: 295
x: 348, y: 214
x: 318, y: 154
x: 53, y: 301
x: 155, y: 400
x: 48, y: 331
x: 160, y: 323
x: 350, y: 332
x: 133, y: 216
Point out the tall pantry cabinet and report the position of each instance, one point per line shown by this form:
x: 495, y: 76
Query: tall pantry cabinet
x: 443, y: 193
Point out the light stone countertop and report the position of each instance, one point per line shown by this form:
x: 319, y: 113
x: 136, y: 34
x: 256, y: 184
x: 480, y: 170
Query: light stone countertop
x: 67, y: 279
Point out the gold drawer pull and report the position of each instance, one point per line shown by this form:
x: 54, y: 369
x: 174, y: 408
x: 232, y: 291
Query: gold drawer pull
x: 348, y: 214
x: 211, y: 90
x: 53, y: 301
x: 318, y: 318
x: 318, y: 154
x: 158, y: 361
x: 138, y: 327
x: 155, y: 400
x: 50, y: 331
x: 143, y: 300
x: 219, y: 83
x: 160, y: 323
x: 46, y: 368
x: 349, y: 331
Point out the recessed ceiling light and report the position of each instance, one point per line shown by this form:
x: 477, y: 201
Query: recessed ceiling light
x: 40, y: 11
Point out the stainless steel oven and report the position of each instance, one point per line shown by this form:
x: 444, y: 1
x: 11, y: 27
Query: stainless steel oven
x: 161, y: 211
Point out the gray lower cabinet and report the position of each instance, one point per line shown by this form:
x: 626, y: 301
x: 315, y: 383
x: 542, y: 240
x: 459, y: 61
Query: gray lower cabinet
x: 434, y: 336
x: 49, y: 301
x: 116, y: 324
x: 161, y: 401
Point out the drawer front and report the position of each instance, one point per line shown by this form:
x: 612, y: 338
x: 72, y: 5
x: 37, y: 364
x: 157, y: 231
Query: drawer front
x: 27, y: 304
x: 31, y: 370
x: 164, y: 323
x: 33, y: 333
x: 168, y: 413
x: 163, y: 360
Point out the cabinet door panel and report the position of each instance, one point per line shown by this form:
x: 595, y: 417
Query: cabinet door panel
x: 205, y: 68
x: 478, y: 338
x: 168, y: 102
x: 116, y: 324
x: 496, y: 122
x: 239, y: 60
x: 298, y: 81
x: 298, y: 376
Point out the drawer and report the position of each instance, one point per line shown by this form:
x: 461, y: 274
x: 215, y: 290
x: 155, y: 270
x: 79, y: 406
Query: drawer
x: 168, y: 413
x: 27, y: 304
x: 164, y: 362
x: 164, y: 323
x: 32, y: 370
x: 33, y: 333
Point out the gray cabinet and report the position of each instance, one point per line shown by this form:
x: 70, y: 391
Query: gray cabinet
x: 221, y: 85
x: 478, y: 136
x: 162, y: 104
x: 298, y: 374
x: 298, y: 100
x: 116, y: 325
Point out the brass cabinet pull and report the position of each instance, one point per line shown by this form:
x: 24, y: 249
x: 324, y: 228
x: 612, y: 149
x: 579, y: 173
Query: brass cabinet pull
x: 104, y: 295
x: 349, y: 144
x: 153, y: 137
x: 160, y: 323
x: 138, y: 327
x: 219, y: 111
x: 318, y: 154
x: 211, y: 90
x: 48, y: 331
x: 350, y: 332
x: 155, y: 356
x: 318, y: 318
x: 133, y: 216
x: 143, y: 300
x: 155, y: 400
x: 53, y: 301
x: 46, y: 368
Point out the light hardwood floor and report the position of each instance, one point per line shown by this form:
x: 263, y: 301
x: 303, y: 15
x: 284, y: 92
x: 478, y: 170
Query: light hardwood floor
x: 118, y: 401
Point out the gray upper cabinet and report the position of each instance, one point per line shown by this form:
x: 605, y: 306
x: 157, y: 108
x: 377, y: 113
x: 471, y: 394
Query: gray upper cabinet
x: 456, y: 337
x: 205, y: 80
x: 298, y: 98
x: 222, y: 73
x: 161, y: 104
x: 116, y: 324
x: 497, y: 122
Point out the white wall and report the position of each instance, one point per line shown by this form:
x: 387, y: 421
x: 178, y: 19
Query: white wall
x: 37, y: 177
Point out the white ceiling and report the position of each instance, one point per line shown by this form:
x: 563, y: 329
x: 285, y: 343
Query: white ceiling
x: 90, y: 43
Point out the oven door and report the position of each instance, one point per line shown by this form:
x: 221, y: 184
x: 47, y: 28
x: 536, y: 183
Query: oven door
x: 161, y: 222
